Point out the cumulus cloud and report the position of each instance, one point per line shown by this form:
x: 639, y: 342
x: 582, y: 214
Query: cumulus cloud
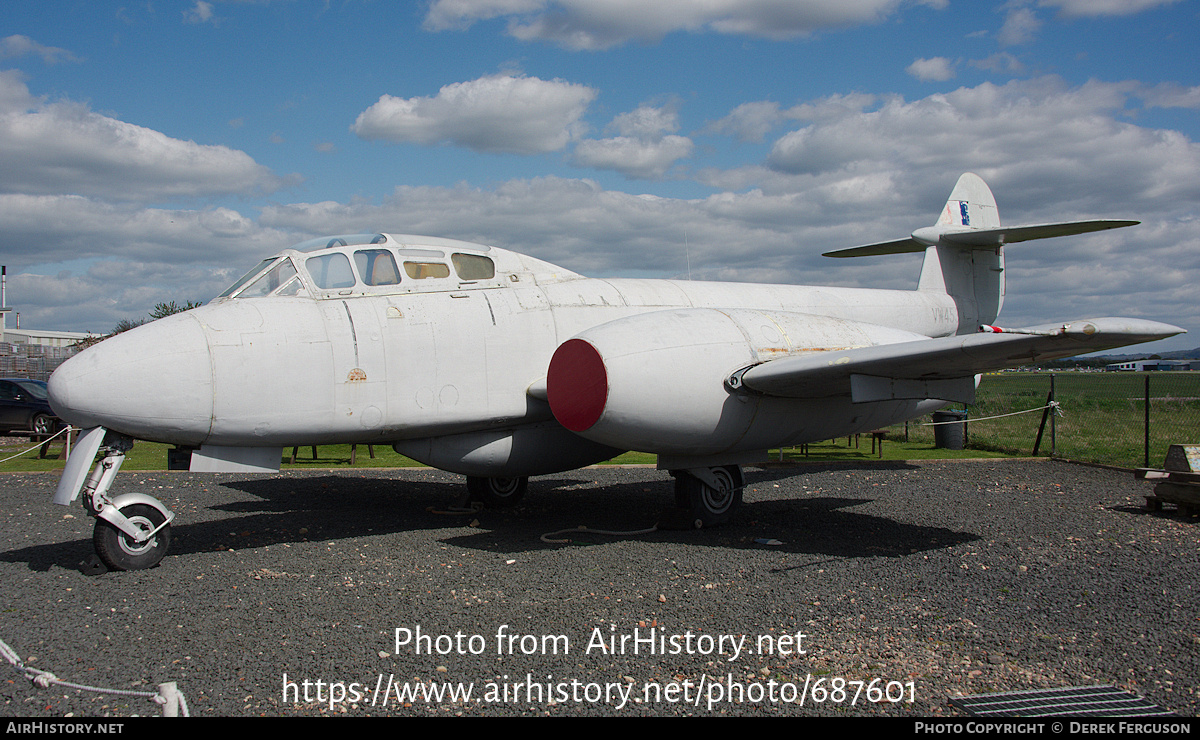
x: 575, y: 223
x: 635, y: 157
x: 1020, y: 26
x: 501, y: 113
x: 64, y: 147
x: 1170, y: 95
x: 1002, y: 62
x: 935, y: 69
x: 1039, y: 132
x: 201, y: 12
x: 60, y: 228
x: 749, y: 121
x: 645, y: 147
x: 19, y: 46
x: 1088, y: 8
x: 135, y: 257
x: 754, y: 120
x: 600, y: 24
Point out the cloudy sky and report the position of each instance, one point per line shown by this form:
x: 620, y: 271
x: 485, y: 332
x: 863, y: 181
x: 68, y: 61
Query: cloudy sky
x: 154, y: 151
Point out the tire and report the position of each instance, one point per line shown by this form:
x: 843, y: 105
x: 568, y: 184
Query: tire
x: 706, y: 505
x: 42, y: 424
x: 497, y: 493
x: 120, y: 552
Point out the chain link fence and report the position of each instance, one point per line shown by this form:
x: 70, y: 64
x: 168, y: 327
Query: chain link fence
x: 1105, y: 417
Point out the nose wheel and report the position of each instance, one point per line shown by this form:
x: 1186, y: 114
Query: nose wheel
x: 132, y: 530
x: 121, y: 551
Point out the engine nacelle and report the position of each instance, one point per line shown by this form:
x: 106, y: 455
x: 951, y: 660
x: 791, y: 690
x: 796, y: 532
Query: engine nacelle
x: 536, y: 450
x: 656, y: 382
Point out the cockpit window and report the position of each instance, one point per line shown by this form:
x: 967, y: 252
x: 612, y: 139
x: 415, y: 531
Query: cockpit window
x: 473, y: 267
x: 377, y: 267
x: 283, y: 271
x: 292, y: 287
x: 345, y: 240
x: 423, y: 270
x: 247, y: 277
x: 330, y: 271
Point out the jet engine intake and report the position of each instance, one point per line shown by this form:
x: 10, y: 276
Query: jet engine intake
x: 655, y: 382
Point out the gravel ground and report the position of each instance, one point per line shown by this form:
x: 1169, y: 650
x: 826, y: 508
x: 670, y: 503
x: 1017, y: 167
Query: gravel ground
x: 931, y: 580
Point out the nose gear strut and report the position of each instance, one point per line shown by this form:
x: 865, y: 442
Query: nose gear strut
x: 132, y: 530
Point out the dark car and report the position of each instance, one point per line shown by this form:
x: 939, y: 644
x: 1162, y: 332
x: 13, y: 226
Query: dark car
x: 24, y: 408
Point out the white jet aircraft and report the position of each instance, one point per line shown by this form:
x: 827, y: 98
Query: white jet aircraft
x: 499, y: 366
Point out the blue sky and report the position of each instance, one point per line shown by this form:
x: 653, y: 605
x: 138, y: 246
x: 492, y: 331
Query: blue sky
x: 155, y: 150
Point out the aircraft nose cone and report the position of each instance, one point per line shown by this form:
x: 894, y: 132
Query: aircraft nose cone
x: 153, y: 382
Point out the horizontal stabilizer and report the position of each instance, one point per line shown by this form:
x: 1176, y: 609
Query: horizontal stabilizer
x: 900, y: 246
x: 989, y: 238
x: 954, y: 358
x: 969, y: 238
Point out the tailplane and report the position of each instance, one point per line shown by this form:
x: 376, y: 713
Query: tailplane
x: 964, y: 250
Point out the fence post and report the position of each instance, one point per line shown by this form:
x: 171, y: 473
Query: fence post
x: 1053, y: 422
x: 1146, y: 453
x: 1037, y: 443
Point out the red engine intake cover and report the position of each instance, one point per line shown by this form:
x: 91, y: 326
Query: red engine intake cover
x: 577, y: 385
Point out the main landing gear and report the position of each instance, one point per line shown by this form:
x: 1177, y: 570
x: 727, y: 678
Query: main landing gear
x: 497, y: 493
x: 704, y: 497
x: 709, y: 496
x: 132, y: 531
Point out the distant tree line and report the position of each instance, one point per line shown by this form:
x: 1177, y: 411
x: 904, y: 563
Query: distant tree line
x: 160, y: 310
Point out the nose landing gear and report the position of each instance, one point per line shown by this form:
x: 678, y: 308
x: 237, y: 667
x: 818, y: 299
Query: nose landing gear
x: 132, y: 531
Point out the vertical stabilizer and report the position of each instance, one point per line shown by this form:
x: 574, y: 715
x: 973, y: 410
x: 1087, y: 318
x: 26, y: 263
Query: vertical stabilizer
x: 973, y: 277
x: 971, y: 204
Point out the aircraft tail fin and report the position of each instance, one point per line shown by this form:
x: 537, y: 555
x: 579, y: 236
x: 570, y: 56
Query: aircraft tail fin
x: 964, y: 250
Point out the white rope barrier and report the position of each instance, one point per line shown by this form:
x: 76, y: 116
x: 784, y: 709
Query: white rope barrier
x: 1054, y: 406
x: 39, y: 444
x: 172, y: 701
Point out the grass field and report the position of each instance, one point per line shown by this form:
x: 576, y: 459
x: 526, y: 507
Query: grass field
x: 1102, y: 421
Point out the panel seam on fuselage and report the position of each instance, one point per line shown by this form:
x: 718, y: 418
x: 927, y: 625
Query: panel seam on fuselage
x: 353, y: 334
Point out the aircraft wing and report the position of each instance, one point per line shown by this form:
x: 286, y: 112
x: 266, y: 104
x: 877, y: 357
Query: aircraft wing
x: 942, y: 368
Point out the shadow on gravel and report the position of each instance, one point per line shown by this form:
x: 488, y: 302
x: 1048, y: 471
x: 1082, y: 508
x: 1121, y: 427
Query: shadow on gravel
x: 296, y: 509
x: 813, y: 526
x: 1171, y: 513
x: 816, y: 525
x: 278, y: 510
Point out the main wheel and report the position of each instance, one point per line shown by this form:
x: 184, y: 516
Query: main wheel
x: 497, y: 493
x: 710, y: 506
x: 119, y: 551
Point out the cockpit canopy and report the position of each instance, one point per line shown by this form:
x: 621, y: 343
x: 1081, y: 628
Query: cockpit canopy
x: 359, y: 264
